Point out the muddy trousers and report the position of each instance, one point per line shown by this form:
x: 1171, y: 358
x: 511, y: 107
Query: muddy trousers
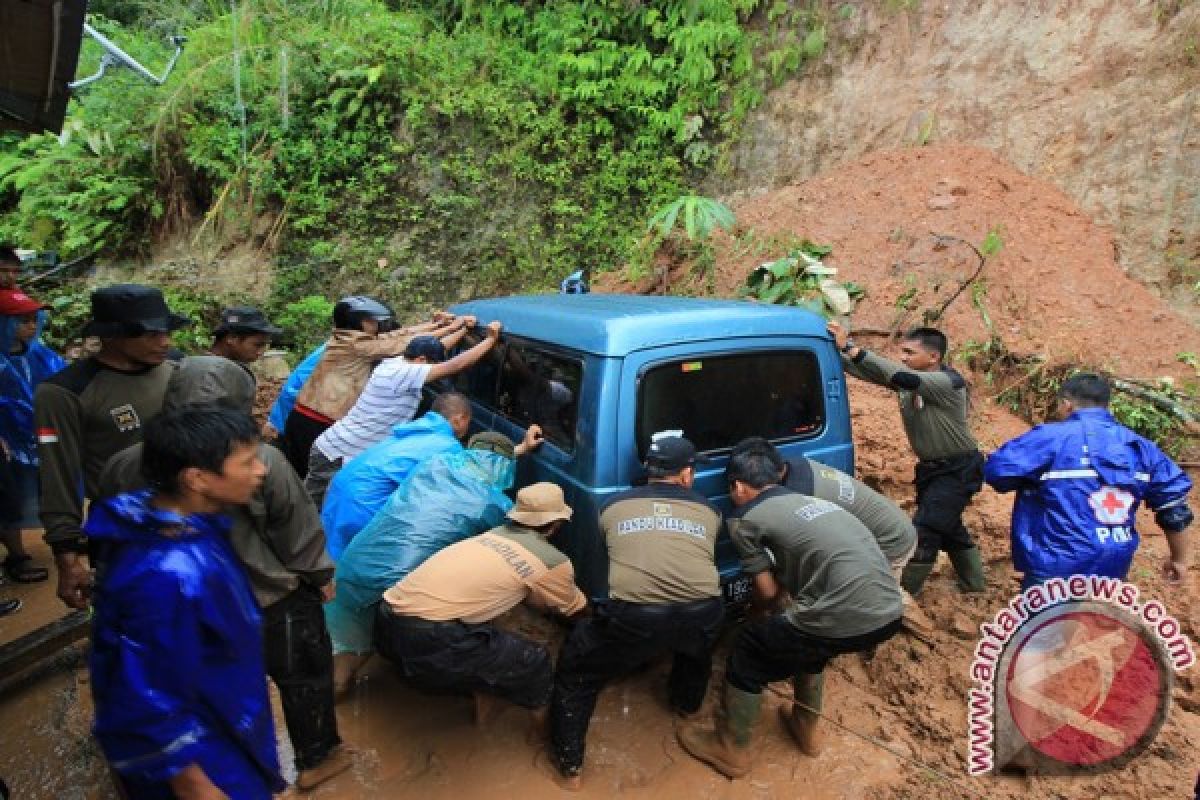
x: 622, y: 637
x: 299, y: 659
x: 774, y: 650
x: 457, y: 656
x: 945, y: 487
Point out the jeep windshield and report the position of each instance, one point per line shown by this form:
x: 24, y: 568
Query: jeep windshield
x: 719, y: 400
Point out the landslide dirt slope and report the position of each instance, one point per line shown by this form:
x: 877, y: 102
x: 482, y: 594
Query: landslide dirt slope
x: 1055, y: 289
x: 1098, y: 97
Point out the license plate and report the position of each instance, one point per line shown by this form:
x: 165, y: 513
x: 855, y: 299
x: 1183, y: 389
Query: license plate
x: 737, y: 591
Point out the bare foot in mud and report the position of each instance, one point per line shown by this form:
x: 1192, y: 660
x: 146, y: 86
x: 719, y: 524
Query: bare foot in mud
x: 544, y: 763
x: 340, y: 759
x: 346, y: 667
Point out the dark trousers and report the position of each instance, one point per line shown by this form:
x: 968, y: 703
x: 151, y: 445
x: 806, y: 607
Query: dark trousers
x: 945, y: 487
x: 774, y: 650
x: 320, y: 474
x: 299, y: 433
x: 299, y: 658
x: 456, y: 656
x: 619, y: 638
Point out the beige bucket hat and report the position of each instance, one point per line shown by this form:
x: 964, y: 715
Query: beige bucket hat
x: 540, y: 504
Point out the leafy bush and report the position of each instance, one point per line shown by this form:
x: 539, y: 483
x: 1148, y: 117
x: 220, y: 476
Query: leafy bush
x: 478, y: 146
x: 701, y: 215
x: 306, y: 322
x: 802, y: 279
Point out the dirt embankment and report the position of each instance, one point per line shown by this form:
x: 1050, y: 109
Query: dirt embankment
x: 1097, y: 97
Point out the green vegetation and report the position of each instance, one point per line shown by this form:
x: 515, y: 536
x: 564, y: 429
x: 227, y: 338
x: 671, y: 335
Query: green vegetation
x: 1029, y: 388
x: 801, y: 279
x: 419, y: 150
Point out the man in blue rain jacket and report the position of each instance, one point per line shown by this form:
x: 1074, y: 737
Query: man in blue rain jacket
x: 362, y: 486
x: 177, y: 654
x: 1079, y: 483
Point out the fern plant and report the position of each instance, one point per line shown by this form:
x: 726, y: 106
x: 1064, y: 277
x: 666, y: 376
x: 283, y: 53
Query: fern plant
x: 700, y: 216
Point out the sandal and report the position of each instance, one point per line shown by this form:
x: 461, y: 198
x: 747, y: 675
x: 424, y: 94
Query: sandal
x: 21, y: 570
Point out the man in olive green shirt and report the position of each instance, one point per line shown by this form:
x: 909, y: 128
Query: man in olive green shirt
x: 95, y: 408
x: 823, y: 572
x: 664, y: 593
x: 933, y: 407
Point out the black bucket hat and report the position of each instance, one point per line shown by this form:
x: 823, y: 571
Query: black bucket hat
x: 245, y: 319
x: 129, y: 309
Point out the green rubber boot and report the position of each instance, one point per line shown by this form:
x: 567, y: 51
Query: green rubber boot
x: 913, y: 578
x: 802, y: 718
x: 727, y: 746
x: 969, y: 566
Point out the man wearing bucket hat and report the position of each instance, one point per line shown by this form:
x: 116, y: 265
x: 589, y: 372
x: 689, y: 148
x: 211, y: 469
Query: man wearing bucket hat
x: 97, y: 407
x: 436, y: 624
x: 664, y: 597
x: 243, y: 335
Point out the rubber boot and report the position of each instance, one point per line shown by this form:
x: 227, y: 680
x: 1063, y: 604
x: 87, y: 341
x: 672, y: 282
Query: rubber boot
x: 913, y: 578
x: 969, y: 566
x: 727, y: 747
x: 802, y: 718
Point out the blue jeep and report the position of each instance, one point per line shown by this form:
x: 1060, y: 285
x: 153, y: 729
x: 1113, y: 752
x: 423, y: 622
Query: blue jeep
x: 601, y: 373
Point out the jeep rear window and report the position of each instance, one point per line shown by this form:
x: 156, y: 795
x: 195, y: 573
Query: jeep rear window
x: 527, y: 384
x: 718, y: 401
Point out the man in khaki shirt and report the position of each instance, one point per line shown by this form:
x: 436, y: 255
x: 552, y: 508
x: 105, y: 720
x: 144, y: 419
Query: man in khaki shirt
x: 436, y: 623
x: 364, y: 334
x: 665, y: 597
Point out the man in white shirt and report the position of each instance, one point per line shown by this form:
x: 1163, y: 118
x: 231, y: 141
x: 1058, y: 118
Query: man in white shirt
x: 390, y: 398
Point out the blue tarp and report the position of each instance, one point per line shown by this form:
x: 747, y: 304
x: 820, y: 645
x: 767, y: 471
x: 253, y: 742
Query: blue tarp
x: 445, y: 499
x: 362, y: 487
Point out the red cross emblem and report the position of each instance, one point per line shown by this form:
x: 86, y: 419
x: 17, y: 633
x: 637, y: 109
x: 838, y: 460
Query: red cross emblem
x: 1111, y: 506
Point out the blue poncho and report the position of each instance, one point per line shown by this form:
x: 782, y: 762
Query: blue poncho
x: 291, y: 388
x: 19, y: 376
x: 177, y: 653
x: 362, y: 486
x: 446, y: 499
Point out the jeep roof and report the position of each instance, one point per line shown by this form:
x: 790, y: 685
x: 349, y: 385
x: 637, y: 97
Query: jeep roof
x: 617, y: 324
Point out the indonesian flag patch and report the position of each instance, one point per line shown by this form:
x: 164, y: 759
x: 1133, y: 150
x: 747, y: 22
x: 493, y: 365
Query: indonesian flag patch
x: 47, y: 436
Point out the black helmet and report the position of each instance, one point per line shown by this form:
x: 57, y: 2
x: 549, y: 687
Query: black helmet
x: 350, y: 312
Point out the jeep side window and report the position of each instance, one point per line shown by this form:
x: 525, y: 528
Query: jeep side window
x: 479, y: 382
x: 720, y: 400
x: 528, y: 385
x: 540, y: 387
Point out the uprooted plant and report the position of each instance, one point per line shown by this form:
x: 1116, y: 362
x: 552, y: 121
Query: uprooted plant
x: 802, y: 279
